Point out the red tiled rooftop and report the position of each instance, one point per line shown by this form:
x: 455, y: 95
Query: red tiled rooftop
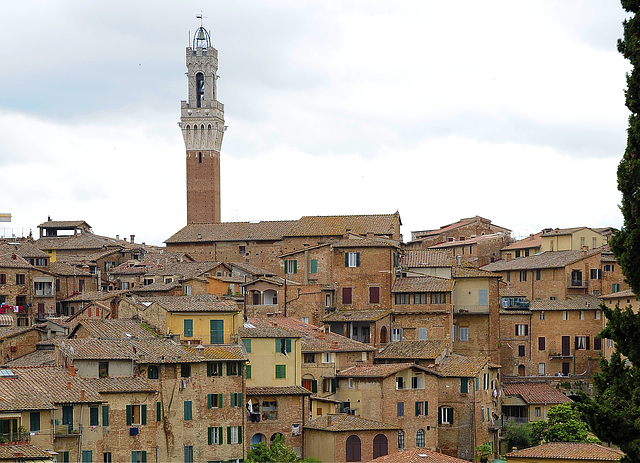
x: 568, y: 451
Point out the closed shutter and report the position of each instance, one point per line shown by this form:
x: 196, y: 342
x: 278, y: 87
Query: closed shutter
x: 188, y: 327
x: 228, y: 434
x: 526, y: 330
x: 417, y: 408
x: 541, y: 343
x: 209, y: 369
x: 143, y: 414
x: 233, y: 399
x: 187, y: 410
x: 220, y: 435
x: 288, y: 345
x: 220, y: 400
x: 158, y: 411
x: 216, y: 331
x: 314, y: 386
x: 129, y: 415
x: 209, y: 402
x: 239, y: 434
x: 105, y: 415
x: 587, y: 345
x: 314, y: 266
x: 210, y: 435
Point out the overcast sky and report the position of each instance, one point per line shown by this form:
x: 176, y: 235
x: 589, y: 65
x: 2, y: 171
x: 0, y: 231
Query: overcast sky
x: 511, y: 110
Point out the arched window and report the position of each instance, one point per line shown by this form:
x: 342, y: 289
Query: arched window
x: 199, y: 89
x: 383, y: 335
x: 275, y: 436
x: 420, y: 438
x: 380, y: 445
x: 256, y: 439
x: 353, y: 448
x: 200, y: 157
x: 521, y: 370
x: 400, y: 439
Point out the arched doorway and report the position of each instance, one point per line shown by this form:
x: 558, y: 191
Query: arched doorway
x: 275, y: 436
x: 257, y: 438
x: 380, y: 445
x: 520, y: 370
x: 383, y: 335
x: 353, y: 448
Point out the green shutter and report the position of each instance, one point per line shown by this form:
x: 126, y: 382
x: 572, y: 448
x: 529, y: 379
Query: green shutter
x: 248, y: 375
x: 239, y: 434
x: 357, y: 259
x: 229, y: 369
x: 34, y: 424
x: 210, y: 435
x: 220, y: 435
x: 417, y: 408
x: 334, y: 384
x: 247, y: 345
x: 143, y: 454
x: 93, y: 416
x: 346, y: 259
x: 209, y: 369
x: 239, y: 399
x: 187, y: 410
x: 220, y: 400
x: 477, y: 383
x: 314, y: 266
x: 278, y: 345
x: 158, y: 411
x: 314, y: 386
x: 105, y: 415
x: 464, y: 385
x: 143, y: 414
x: 288, y: 345
x: 188, y: 327
x: 426, y: 407
x: 440, y: 415
x: 232, y: 402
x: 216, y: 331
x: 187, y: 454
x: 295, y: 266
x: 451, y: 415
x: 129, y: 415
x: 228, y: 434
x: 134, y: 456
x: 209, y: 401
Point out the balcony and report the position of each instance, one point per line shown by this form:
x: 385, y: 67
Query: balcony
x: 558, y: 355
x: 573, y: 282
x: 67, y: 430
x: 471, y: 309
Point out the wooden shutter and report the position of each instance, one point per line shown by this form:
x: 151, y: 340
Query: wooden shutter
x: 209, y: 402
x: 229, y: 370
x: 232, y: 403
x: 209, y: 369
x: 587, y: 344
x: 220, y: 435
x: 187, y: 410
x: 216, y: 328
x: 220, y: 400
x: 357, y: 259
x: 143, y: 414
x: 210, y: 435
x: 288, y: 345
x: 158, y: 411
x: 597, y: 343
x: 417, y: 408
x: 314, y: 266
x: 129, y: 415
x: 541, y: 343
x: 239, y: 399
x: 105, y: 415
x: 346, y: 259
x: 228, y: 434
x: 526, y: 330
x: 188, y: 327
x: 314, y: 386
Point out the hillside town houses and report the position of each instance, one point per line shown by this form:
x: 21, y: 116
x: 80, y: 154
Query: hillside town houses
x: 330, y: 332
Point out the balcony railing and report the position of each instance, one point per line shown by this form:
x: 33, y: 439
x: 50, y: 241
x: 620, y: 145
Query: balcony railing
x: 471, y: 309
x: 67, y: 430
x: 573, y: 282
x: 560, y: 355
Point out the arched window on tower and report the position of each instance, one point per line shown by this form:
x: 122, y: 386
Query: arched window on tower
x: 200, y: 157
x: 199, y: 89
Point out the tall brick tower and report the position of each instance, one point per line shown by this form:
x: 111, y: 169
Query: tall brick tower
x: 202, y: 124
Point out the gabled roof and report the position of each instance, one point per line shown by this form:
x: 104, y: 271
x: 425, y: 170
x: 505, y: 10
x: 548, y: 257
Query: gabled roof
x: 535, y: 393
x: 161, y: 350
x: 413, y: 350
x: 313, y: 339
x: 628, y: 293
x: 64, y: 224
x: 466, y: 272
x: 562, y: 231
x: 201, y: 303
x: 461, y: 366
x: 573, y: 302
x: 547, y: 259
x: 427, y: 258
x: 265, y: 328
x: 23, y: 249
x: 95, y: 295
x: 251, y: 269
x: 427, y: 284
x: 417, y: 455
x: 120, y: 384
x: 363, y: 242
x: 116, y: 328
x: 338, y: 225
x: 378, y: 370
x: 277, y: 390
x: 213, y: 352
x: 34, y: 359
x: 568, y: 451
x: 446, y: 228
x: 356, y: 315
x: 231, y: 231
x: 531, y: 241
x: 337, y: 422
x: 12, y: 260
x: 509, y: 291
x: 477, y: 239
x: 63, y: 269
x: 27, y: 453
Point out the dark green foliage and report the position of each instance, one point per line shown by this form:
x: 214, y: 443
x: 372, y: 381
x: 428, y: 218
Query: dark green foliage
x: 517, y: 435
x: 563, y: 425
x: 277, y: 453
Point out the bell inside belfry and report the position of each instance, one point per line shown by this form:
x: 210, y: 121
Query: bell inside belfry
x: 201, y: 35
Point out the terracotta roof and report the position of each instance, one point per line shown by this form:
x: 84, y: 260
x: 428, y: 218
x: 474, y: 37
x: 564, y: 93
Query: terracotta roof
x: 455, y: 365
x: 34, y: 359
x: 27, y: 453
x: 159, y: 350
x: 417, y: 455
x: 157, y: 287
x: 202, y: 303
x: 221, y: 352
x: 356, y: 315
x: 548, y: 259
x: 561, y: 231
x: 409, y: 350
x: 277, y: 390
x: 337, y: 225
x: 83, y: 241
x: 61, y: 224
x: 23, y: 249
x: 116, y: 328
x: 337, y: 422
x: 422, y: 284
x: 363, y: 242
x: 12, y: 260
x: 231, y: 231
x: 60, y: 268
x: 536, y: 393
x: 573, y: 302
x: 265, y: 328
x: 466, y: 272
x: 569, y: 451
x: 508, y: 291
x: 445, y: 228
x: 38, y: 388
x: 94, y: 296
x: 10, y: 331
x: 121, y: 384
x: 252, y: 269
x: 477, y: 239
x: 378, y: 370
x: 531, y: 241
x: 427, y: 258
x: 626, y: 293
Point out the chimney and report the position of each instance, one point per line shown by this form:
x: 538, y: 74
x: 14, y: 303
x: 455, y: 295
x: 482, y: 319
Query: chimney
x: 508, y: 257
x: 117, y: 237
x: 82, y: 395
x: 68, y: 385
x: 459, y: 260
x: 584, y: 250
x: 132, y: 237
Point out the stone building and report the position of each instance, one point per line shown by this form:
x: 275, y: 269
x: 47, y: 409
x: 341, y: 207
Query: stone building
x: 461, y: 230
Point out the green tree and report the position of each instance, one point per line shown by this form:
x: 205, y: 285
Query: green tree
x: 277, y: 453
x: 614, y: 414
x: 517, y: 435
x: 563, y: 425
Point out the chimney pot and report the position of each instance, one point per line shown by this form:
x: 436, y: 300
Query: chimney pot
x: 68, y: 385
x: 132, y: 237
x: 508, y: 257
x: 82, y: 394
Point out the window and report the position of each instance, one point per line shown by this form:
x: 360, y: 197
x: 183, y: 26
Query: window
x: 283, y: 345
x: 542, y: 315
x: 594, y: 242
x: 420, y: 298
x: 416, y: 382
x: 124, y: 285
x: 538, y: 412
x: 34, y: 421
x: 438, y: 298
x: 582, y: 342
x: 464, y: 333
x: 234, y: 434
x: 597, y: 314
x: 281, y: 371
x: 597, y: 343
x: 326, y: 357
x: 396, y: 334
x: 214, y: 435
x: 517, y: 253
x: 422, y: 408
x: 541, y: 369
x: 216, y: 331
x: 541, y: 343
x: 508, y: 276
x: 3, y: 278
x: 106, y: 457
x: 187, y: 290
x: 350, y: 383
x: 422, y: 334
x: 521, y: 350
x: 346, y: 295
x: 581, y: 315
x: 608, y: 268
x: 374, y: 295
x: 353, y: 448
x: 453, y: 333
x: 290, y: 267
x: 565, y: 315
x: 87, y: 456
x: 20, y: 279
x: 399, y: 382
x: 485, y: 381
x: 313, y: 266
x: 522, y: 330
x: 105, y: 415
x: 235, y: 399
x: 352, y: 259
x: 305, y: 319
x: 538, y: 274
x: 232, y: 369
x: 523, y: 275
x: 63, y: 457
x: 247, y: 345
x: 158, y: 411
x: 44, y: 288
x: 445, y: 415
x: 93, y: 416
x: 596, y: 274
x: 420, y: 438
x: 214, y: 369
x: 136, y: 414
x: 188, y: 454
x: 139, y: 456
x: 188, y: 410
x: 309, y: 358
x: 214, y: 401
x: 241, y: 250
x: 185, y: 370
x: 582, y: 241
x: 400, y: 439
x: 464, y: 385
x: 329, y: 385
x: 615, y: 287
x: 402, y: 298
x: 483, y: 297
x: 400, y: 407
x: 248, y: 372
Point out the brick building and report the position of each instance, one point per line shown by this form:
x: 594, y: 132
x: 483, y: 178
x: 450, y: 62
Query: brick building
x: 463, y: 229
